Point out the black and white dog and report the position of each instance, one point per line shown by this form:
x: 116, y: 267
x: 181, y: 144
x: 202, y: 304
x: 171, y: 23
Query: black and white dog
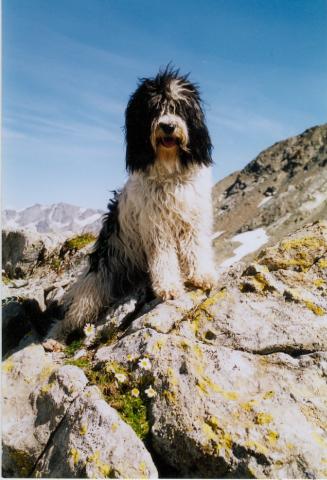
x: 158, y: 228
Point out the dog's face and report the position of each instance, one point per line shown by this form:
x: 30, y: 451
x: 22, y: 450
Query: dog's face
x: 165, y: 120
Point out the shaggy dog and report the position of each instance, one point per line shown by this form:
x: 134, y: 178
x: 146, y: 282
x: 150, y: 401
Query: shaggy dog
x: 157, y: 230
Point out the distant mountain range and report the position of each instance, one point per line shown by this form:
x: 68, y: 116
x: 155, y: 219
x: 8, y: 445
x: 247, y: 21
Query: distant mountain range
x: 57, y: 218
x: 282, y: 189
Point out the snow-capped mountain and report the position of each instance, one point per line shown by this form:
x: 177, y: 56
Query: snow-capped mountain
x: 60, y: 217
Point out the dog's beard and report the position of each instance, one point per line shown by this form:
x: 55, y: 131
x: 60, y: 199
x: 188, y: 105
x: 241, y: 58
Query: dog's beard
x: 167, y: 146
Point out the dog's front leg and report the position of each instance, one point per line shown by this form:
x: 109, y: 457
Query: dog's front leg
x: 197, y: 261
x: 164, y: 269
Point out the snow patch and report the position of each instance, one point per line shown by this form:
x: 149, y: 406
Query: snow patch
x: 250, y: 242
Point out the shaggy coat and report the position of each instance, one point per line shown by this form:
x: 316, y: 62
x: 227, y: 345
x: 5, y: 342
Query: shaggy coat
x: 157, y: 232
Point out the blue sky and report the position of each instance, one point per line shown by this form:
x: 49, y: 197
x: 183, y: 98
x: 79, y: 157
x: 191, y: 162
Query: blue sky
x: 69, y: 67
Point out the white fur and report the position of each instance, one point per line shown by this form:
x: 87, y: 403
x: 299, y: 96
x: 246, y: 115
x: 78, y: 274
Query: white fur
x: 171, y: 213
x: 165, y: 219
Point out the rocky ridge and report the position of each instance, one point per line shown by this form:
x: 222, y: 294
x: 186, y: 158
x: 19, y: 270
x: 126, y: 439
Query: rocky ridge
x: 282, y: 189
x: 228, y: 384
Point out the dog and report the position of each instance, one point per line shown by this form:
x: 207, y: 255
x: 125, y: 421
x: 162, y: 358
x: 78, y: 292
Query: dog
x: 158, y: 228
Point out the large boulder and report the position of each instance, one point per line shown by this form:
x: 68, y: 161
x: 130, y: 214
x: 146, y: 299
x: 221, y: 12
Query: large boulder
x: 23, y: 250
x: 239, y: 380
x: 94, y: 442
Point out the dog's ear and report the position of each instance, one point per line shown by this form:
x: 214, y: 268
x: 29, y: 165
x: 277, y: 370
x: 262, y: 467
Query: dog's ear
x: 200, y: 146
x: 139, y: 151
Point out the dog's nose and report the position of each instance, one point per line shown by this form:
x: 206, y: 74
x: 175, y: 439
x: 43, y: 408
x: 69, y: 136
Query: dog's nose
x: 167, y: 128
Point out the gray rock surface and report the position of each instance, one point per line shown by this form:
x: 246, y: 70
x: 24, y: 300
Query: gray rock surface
x: 21, y: 374
x: 55, y: 426
x: 227, y: 385
x: 93, y: 442
x: 20, y: 252
x: 240, y: 379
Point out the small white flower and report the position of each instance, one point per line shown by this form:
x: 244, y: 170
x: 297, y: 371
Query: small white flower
x: 135, y: 392
x: 150, y: 392
x: 89, y: 329
x: 120, y: 377
x: 145, y: 363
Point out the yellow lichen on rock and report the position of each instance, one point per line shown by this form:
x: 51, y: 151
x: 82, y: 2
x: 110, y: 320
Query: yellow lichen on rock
x: 7, y: 366
x: 74, y: 454
x: 262, y: 418
x: 316, y: 309
x: 269, y: 394
x: 320, y: 440
x: 205, y: 384
x: 114, y: 427
x: 46, y: 372
x: 256, y: 446
x: 221, y: 439
x: 46, y: 388
x: 248, y: 406
x: 83, y: 429
x: 144, y: 470
x: 272, y: 437
x: 322, y: 263
x: 170, y: 396
x: 311, y: 243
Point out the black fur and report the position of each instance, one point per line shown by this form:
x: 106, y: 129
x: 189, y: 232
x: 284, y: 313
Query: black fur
x: 125, y: 278
x: 110, y: 226
x: 144, y: 107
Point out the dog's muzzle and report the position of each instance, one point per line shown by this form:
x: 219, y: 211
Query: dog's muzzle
x: 170, y: 131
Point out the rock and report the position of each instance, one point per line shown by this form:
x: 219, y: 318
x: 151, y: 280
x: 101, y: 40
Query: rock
x: 230, y: 384
x: 51, y: 400
x: 55, y: 426
x: 21, y: 373
x: 224, y: 412
x: 42, y: 395
x: 93, y: 442
x: 16, y: 321
x: 21, y: 252
x: 239, y: 379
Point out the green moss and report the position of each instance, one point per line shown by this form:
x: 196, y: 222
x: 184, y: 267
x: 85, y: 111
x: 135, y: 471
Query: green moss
x: 73, y: 347
x: 80, y: 241
x: 118, y: 394
x: 80, y: 362
x: 55, y: 264
x: 133, y: 410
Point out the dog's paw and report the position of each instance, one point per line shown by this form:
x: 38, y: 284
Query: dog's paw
x: 206, y: 281
x: 170, y: 293
x: 52, y: 345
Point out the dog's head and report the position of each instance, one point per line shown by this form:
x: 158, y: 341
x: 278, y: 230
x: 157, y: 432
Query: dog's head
x: 164, y: 119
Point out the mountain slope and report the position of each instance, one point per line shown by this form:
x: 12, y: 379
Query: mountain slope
x: 282, y: 189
